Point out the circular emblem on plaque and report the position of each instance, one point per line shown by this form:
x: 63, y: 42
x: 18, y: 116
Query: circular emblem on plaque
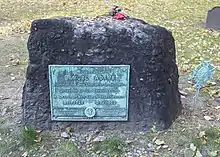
x: 89, y: 112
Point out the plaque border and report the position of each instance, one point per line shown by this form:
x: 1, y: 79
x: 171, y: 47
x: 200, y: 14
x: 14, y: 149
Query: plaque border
x: 87, y: 119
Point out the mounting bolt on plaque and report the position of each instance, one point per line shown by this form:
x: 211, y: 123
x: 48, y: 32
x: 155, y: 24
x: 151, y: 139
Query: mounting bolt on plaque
x: 89, y: 112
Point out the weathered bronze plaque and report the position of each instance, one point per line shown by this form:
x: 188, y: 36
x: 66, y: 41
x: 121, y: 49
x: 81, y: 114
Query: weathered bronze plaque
x: 89, y: 92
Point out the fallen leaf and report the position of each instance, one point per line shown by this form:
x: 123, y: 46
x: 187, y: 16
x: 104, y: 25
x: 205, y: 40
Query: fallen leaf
x: 4, y: 111
x: 183, y: 97
x: 65, y: 135
x: 159, y: 142
x: 217, y: 107
x: 185, y: 68
x: 15, y: 62
x: 44, y: 155
x: 158, y: 147
x: 25, y: 154
x: 217, y: 140
x: 204, y: 142
x: 69, y: 130
x: 215, y: 93
x: 38, y: 139
x: 4, y: 98
x: 38, y: 131
x: 12, y: 78
x: 154, y: 139
x: 198, y: 154
x: 211, y: 83
x: 213, y: 154
x: 207, y: 118
x: 183, y: 93
x: 192, y: 147
x: 205, y: 90
x: 190, y: 89
x: 190, y: 82
x: 165, y: 146
x: 99, y: 139
x: 26, y: 128
x: 201, y: 134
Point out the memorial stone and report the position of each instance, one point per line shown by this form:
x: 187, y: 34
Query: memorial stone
x: 149, y: 50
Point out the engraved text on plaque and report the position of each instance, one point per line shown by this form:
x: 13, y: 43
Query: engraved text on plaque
x: 89, y: 92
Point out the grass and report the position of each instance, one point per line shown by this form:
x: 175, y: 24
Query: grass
x: 9, y: 143
x: 9, y: 147
x: 13, y: 145
x: 29, y: 136
x: 68, y: 149
x: 210, y: 141
x: 112, y: 146
x: 176, y: 138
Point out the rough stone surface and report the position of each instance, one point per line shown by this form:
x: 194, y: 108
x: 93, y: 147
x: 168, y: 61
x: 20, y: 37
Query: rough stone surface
x: 149, y: 49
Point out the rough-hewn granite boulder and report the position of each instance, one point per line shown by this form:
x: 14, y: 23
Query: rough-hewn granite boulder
x: 149, y: 49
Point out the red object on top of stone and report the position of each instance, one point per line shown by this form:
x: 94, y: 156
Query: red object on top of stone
x: 119, y: 16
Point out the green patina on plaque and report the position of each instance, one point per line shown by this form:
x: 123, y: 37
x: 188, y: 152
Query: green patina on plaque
x: 89, y: 92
